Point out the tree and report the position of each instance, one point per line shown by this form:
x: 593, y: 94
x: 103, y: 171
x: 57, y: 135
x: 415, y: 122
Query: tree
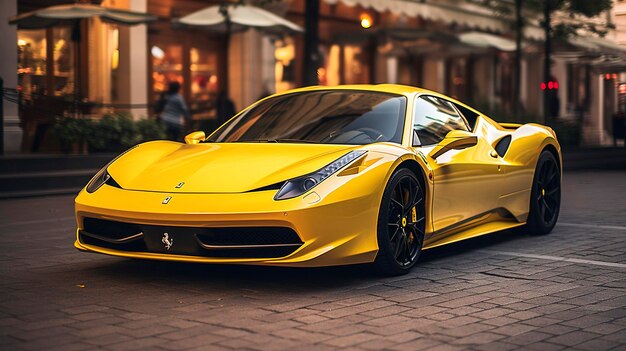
x: 311, y: 42
x: 575, y: 16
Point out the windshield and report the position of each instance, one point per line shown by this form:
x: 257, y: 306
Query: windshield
x: 326, y: 117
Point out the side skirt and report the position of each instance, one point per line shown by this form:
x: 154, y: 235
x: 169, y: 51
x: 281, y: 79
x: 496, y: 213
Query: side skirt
x: 496, y: 220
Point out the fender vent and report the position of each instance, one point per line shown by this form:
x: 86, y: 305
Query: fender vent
x: 503, y: 145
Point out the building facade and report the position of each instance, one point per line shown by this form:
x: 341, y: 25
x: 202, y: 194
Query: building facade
x: 455, y: 47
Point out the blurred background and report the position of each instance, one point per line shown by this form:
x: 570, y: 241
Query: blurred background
x: 80, y: 80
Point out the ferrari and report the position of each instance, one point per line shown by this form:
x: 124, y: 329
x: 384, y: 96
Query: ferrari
x: 323, y: 176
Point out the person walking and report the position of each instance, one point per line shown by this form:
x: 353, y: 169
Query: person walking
x: 225, y: 108
x: 175, y: 113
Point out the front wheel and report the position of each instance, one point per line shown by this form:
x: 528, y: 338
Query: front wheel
x: 401, y: 224
x: 545, y: 196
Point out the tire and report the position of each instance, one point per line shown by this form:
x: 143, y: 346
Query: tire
x: 401, y: 224
x: 545, y: 196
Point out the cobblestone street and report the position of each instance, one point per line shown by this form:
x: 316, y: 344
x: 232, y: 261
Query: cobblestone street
x: 505, y: 291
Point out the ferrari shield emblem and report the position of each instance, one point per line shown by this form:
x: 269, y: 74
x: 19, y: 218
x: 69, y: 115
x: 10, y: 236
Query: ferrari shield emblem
x: 167, y: 241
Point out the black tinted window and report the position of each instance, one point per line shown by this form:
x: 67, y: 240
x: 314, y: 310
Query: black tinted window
x: 330, y: 117
x: 470, y: 116
x: 434, y: 118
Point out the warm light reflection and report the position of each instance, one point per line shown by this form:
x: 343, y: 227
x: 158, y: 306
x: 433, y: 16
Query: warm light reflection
x: 157, y: 52
x: 366, y: 20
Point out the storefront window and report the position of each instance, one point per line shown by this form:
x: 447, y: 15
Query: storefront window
x: 204, y: 78
x: 356, y: 67
x: 167, y: 63
x: 34, y: 59
x: 285, y: 54
x: 31, y: 66
x: 63, y: 58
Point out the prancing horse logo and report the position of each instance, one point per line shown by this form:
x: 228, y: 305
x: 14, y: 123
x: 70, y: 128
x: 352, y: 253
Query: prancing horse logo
x: 167, y: 241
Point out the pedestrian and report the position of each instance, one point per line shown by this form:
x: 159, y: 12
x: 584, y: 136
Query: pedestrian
x: 175, y: 113
x: 225, y: 108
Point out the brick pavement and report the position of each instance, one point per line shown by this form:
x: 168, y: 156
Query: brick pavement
x: 492, y: 293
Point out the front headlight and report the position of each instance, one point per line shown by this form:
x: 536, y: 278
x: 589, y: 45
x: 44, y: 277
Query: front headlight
x: 98, y: 180
x: 298, y: 186
x: 103, y: 175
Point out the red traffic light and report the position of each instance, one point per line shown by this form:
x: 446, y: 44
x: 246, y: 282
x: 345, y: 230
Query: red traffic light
x: 549, y: 85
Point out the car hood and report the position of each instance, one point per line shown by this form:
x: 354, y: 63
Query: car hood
x: 218, y: 167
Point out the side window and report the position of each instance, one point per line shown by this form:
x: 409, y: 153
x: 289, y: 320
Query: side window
x: 470, y: 116
x: 433, y: 118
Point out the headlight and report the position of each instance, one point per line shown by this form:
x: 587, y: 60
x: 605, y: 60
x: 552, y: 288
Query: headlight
x: 98, y: 180
x: 298, y: 186
x: 103, y: 175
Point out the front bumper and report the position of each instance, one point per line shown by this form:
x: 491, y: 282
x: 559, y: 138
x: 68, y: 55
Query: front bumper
x: 336, y: 228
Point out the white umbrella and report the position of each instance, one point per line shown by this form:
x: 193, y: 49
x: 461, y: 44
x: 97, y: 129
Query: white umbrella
x: 55, y: 15
x: 238, y: 18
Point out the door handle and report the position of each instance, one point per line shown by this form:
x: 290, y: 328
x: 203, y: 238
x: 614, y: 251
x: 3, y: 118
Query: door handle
x: 493, y: 153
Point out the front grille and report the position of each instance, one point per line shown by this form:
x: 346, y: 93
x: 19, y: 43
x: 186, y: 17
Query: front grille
x: 249, y: 236
x: 112, y: 235
x: 110, y: 229
x: 222, y: 242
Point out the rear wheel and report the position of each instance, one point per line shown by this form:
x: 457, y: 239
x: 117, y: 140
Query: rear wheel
x: 545, y: 197
x: 401, y: 224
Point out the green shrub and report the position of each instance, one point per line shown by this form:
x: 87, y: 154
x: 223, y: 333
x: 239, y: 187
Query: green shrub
x: 71, y: 131
x: 113, y: 133
x: 150, y: 129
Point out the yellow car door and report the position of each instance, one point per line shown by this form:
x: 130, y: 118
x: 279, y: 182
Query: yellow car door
x: 466, y: 178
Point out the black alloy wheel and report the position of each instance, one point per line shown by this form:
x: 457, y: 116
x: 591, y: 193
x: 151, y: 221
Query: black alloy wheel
x: 545, y: 200
x: 401, y: 224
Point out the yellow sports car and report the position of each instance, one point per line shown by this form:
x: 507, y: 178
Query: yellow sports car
x: 325, y: 176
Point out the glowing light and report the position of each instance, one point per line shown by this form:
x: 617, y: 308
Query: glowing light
x: 366, y: 20
x: 550, y: 85
x: 21, y: 42
x: 607, y: 76
x: 157, y: 52
x: 543, y: 86
x: 614, y: 76
x: 213, y: 79
x: 115, y: 59
x: 556, y: 85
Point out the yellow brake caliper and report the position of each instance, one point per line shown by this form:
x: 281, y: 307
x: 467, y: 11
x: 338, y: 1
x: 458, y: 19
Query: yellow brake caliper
x: 413, y: 220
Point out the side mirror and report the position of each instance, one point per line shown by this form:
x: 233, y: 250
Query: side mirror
x: 454, y: 140
x: 195, y: 137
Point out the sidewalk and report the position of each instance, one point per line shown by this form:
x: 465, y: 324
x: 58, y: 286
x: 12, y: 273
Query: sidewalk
x: 613, y: 158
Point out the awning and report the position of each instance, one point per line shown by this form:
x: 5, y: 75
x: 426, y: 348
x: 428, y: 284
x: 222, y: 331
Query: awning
x: 54, y: 15
x: 460, y: 12
x: 485, y: 40
x: 240, y: 17
x: 597, y: 45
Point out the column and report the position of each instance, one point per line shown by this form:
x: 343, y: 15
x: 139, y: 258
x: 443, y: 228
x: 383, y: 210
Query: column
x: 133, y: 65
x: 8, y: 71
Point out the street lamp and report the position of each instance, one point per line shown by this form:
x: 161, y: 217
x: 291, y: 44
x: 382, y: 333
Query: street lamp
x: 366, y: 20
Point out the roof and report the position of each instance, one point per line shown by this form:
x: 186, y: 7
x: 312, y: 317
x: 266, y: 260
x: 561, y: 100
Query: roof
x: 383, y: 88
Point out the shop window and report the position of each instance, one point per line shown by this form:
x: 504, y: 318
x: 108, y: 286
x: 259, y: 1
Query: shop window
x: 63, y: 58
x: 31, y: 67
x: 356, y: 67
x: 204, y: 78
x: 284, y: 70
x: 167, y: 63
x: 46, y: 61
